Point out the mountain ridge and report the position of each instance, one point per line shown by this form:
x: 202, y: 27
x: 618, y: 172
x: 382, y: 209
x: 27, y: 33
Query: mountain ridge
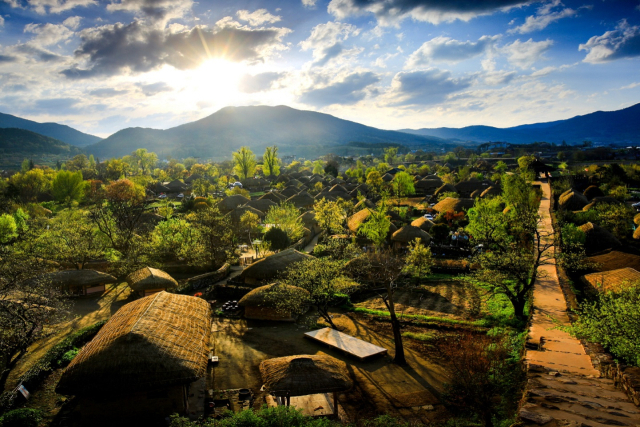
x: 22, y: 141
x: 57, y: 131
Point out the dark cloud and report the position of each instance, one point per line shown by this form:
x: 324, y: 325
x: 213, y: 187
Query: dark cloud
x: 57, y: 105
x: 622, y: 43
x: 14, y: 88
x: 106, y: 92
x: 259, y: 82
x: 348, y: 91
x: 138, y: 48
x: 157, y: 10
x: 152, y: 89
x: 37, y: 53
x: 434, y: 11
x: 7, y: 59
x: 425, y: 87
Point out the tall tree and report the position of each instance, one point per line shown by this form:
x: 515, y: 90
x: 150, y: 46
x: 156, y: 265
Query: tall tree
x: 377, y: 225
x: 244, y: 162
x: 144, y: 160
x: 330, y: 215
x: 403, y: 185
x: 68, y: 187
x: 286, y: 217
x: 271, y: 163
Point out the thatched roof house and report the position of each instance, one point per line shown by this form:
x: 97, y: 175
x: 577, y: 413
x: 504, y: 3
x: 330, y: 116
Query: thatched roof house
x: 302, y: 200
x: 147, y: 344
x: 364, y: 203
x: 492, y: 191
x: 636, y: 219
x: 593, y: 191
x: 237, y: 213
x: 262, y: 303
x: 423, y: 223
x: 357, y: 219
x: 600, y: 201
x: 446, y: 188
x: 76, y: 282
x: 453, y: 204
x: 305, y: 374
x: 598, y: 238
x: 614, y: 260
x: 613, y: 280
x: 636, y: 234
x: 309, y: 220
x: 231, y: 202
x: 274, y: 196
x: 408, y: 234
x: 572, y: 201
x: 148, y: 281
x: 465, y: 188
x: 290, y: 191
x: 270, y: 267
x: 262, y: 205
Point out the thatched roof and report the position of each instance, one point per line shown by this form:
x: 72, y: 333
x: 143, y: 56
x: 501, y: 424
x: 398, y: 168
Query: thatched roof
x: 265, y: 296
x: 358, y: 218
x: 453, y: 204
x: 612, y: 280
x: 470, y: 185
x: 302, y: 200
x: 636, y: 234
x: 294, y: 182
x: 572, y: 201
x: 364, y: 203
x: 309, y: 219
x: 150, y: 278
x: 598, y: 238
x: 387, y: 177
x: 237, y: 213
x: 74, y: 278
x: 304, y: 374
x: 289, y: 191
x: 593, y: 191
x: 492, y: 191
x: 268, y: 268
x: 274, y: 196
x: 335, y: 181
x: 636, y: 219
x: 423, y: 223
x: 599, y: 201
x: 262, y: 205
x: 409, y: 233
x: 339, y: 188
x: 446, y: 188
x: 614, y: 260
x: 230, y: 203
x: 154, y: 342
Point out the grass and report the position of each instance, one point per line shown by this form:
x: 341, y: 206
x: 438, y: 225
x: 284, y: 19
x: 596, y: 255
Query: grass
x: 425, y: 337
x: 428, y: 319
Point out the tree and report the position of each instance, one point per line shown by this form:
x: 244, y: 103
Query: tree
x: 8, y: 228
x: 271, y: 161
x: 200, y: 187
x: 323, y: 279
x: 377, y: 225
x: 244, y: 162
x: 26, y: 166
x: 144, y: 161
x: 31, y: 184
x: 403, y: 185
x: 330, y: 215
x: 78, y: 163
x: 317, y: 167
x: 525, y: 162
x: 286, y: 217
x: 500, y: 167
x: 277, y: 238
x: 249, y: 226
x: 374, y: 180
x: 173, y: 239
x: 418, y: 260
x: 68, y: 187
x: 331, y: 168
x: 116, y: 169
x: 390, y: 155
x: 215, y: 240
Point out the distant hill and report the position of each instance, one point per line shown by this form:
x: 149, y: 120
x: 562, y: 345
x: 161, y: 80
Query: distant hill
x: 601, y: 126
x: 20, y: 141
x: 63, y: 133
x: 304, y: 133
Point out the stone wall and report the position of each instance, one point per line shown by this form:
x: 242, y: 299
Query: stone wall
x: 208, y: 279
x: 626, y: 378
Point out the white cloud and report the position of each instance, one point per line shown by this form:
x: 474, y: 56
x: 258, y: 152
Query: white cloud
x: 632, y: 85
x: 258, y: 17
x: 343, y: 89
x: 621, y: 43
x: 542, y: 19
x: 72, y: 22
x: 160, y: 11
x: 446, y: 49
x: 1, y: 21
x: 47, y: 34
x: 43, y: 7
x: 381, y: 61
x: 326, y: 42
x: 424, y: 87
x: 525, y: 54
x: 311, y: 4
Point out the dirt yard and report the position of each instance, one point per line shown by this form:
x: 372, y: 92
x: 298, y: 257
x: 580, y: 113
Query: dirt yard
x: 380, y: 385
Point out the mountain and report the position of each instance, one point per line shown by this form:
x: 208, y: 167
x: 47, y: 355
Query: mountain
x: 24, y: 142
x: 54, y: 130
x: 601, y: 126
x: 304, y: 133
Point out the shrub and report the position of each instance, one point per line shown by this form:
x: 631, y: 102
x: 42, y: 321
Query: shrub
x: 23, y: 417
x: 67, y: 357
x: 277, y: 238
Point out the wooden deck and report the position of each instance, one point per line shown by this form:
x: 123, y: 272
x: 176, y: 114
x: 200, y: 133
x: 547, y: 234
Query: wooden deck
x: 312, y: 405
x: 346, y: 343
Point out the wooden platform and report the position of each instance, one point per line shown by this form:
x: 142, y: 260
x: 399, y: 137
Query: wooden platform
x: 350, y: 345
x: 312, y: 405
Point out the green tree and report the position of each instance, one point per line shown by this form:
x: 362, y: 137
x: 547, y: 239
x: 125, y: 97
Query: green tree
x: 318, y: 168
x: 32, y: 184
x: 201, y: 187
x: 173, y: 239
x: 68, y: 187
x: 271, y: 161
x: 500, y: 167
x: 144, y: 160
x: 418, y: 260
x: 215, y: 240
x: 390, y: 155
x: 286, y: 217
x: 403, y: 185
x: 8, y: 228
x: 377, y: 225
x: 26, y: 166
x: 277, y: 238
x: 330, y: 215
x: 249, y: 226
x: 374, y: 180
x: 244, y: 162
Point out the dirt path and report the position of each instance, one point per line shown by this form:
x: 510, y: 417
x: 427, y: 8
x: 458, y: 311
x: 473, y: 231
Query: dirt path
x: 563, y: 387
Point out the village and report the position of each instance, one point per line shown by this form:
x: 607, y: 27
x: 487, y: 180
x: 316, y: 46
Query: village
x: 398, y: 288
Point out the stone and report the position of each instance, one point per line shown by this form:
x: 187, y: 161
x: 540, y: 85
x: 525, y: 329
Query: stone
x: 540, y: 419
x: 554, y: 373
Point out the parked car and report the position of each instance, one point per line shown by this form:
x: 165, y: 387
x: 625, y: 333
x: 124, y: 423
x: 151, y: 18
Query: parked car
x: 162, y: 196
x: 429, y: 217
x: 180, y: 196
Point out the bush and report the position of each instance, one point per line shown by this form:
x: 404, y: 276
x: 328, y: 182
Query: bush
x: 277, y: 238
x: 23, y: 417
x: 68, y: 357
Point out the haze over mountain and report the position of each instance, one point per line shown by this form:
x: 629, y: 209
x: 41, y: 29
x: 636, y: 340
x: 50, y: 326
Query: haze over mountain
x: 304, y: 133
x: 60, y: 132
x: 601, y: 126
x: 21, y: 141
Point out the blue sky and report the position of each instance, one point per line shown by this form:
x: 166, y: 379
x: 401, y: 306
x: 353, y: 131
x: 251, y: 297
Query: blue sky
x: 103, y: 65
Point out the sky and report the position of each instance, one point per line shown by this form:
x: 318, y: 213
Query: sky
x: 104, y: 65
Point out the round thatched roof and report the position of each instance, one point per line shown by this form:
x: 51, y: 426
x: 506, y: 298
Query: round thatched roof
x: 230, y: 203
x: 150, y: 278
x: 304, y: 374
x: 357, y: 219
x: 409, y: 233
x: 364, y: 203
x: 636, y: 219
x: 598, y: 238
x: 154, y: 342
x: 302, y: 200
x: 423, y: 223
x: 308, y: 218
x: 599, y: 201
x: 492, y: 191
x: 470, y: 186
x: 387, y: 177
x: 274, y: 196
x: 268, y: 268
x: 237, y: 213
x: 264, y: 296
x: 335, y: 181
x: 593, y: 191
x: 339, y: 188
x: 446, y: 188
x: 262, y: 205
x: 572, y: 201
x: 74, y: 278
x: 453, y: 204
x: 289, y: 191
x: 636, y: 234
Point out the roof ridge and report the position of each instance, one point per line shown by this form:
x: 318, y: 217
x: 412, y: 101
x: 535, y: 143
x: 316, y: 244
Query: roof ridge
x: 155, y: 297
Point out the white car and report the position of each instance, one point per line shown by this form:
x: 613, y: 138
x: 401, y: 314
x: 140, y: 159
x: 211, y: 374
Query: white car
x: 180, y: 196
x: 162, y: 196
x: 429, y: 217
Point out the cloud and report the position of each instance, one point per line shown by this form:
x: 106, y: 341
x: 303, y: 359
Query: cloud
x: 257, y: 18
x: 326, y: 42
x: 48, y: 34
x: 621, y: 43
x: 151, y: 89
x: 346, y: 90
x: 1, y: 21
x: 43, y: 7
x: 424, y: 87
x: 260, y: 82
x: 311, y: 4
x: 544, y: 16
x: 525, y: 54
x: 106, y: 92
x: 55, y: 104
x: 389, y: 12
x: 447, y: 49
x: 4, y: 59
x: 72, y: 22
x: 632, y: 85
x: 138, y: 48
x: 156, y: 10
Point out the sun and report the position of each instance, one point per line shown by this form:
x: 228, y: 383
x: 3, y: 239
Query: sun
x: 217, y: 78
